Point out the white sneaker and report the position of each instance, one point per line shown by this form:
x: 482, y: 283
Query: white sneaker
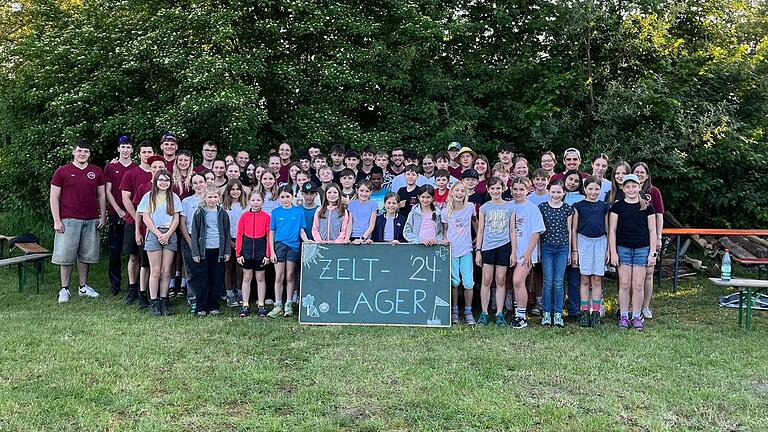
x: 647, y: 313
x: 63, y: 295
x: 87, y: 291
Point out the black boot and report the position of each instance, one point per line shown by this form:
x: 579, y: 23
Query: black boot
x: 165, y: 309
x: 154, y: 307
x: 143, y: 301
x: 133, y: 295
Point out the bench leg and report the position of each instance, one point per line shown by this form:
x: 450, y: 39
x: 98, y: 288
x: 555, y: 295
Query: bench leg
x: 22, y: 277
x: 741, y: 302
x: 748, y: 324
x: 38, y: 274
x: 677, y: 263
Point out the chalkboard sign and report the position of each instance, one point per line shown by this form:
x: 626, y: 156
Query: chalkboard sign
x: 408, y: 284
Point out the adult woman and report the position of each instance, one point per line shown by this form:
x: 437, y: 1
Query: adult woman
x: 481, y: 165
x: 599, y: 168
x: 548, y: 162
x: 653, y: 195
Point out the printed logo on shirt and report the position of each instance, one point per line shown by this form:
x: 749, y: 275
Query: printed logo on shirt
x: 496, y: 221
x: 91, y: 175
x: 519, y: 224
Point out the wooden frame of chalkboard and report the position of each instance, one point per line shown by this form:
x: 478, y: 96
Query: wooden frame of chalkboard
x: 375, y: 284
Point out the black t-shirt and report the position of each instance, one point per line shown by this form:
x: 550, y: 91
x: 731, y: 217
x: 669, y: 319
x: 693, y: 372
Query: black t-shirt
x: 411, y: 199
x: 632, y: 226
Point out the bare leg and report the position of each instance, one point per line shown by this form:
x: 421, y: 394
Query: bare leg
x: 584, y: 288
x: 468, y: 293
x: 597, y: 288
x: 454, y: 296
x: 82, y: 273
x: 638, y: 286
x: 65, y: 271
x: 246, y: 286
x: 521, y: 291
x: 290, y: 279
x: 625, y: 283
x: 279, y: 279
x: 155, y: 271
x: 261, y: 286
x: 501, y: 287
x: 143, y: 279
x: 133, y: 269
x: 485, y: 287
x: 167, y: 266
x: 648, y: 287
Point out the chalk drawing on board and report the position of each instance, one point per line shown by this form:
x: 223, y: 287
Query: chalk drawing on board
x: 312, y: 252
x: 324, y: 307
x: 442, y: 253
x: 308, y: 301
x: 435, y: 320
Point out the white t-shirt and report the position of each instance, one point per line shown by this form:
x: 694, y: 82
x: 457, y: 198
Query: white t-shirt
x: 160, y: 216
x: 528, y: 220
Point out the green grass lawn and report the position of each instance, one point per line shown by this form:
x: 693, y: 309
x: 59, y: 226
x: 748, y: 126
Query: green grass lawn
x: 100, y: 365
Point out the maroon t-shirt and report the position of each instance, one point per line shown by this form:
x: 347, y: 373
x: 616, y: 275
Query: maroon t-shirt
x: 130, y: 183
x: 655, y: 198
x: 169, y: 164
x: 200, y: 168
x: 456, y: 172
x: 141, y: 190
x: 114, y: 173
x: 561, y: 176
x: 79, y: 197
x: 284, y: 172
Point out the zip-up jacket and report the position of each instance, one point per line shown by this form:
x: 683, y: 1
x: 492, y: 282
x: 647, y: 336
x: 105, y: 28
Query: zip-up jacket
x: 252, y: 239
x: 381, y: 223
x: 198, y: 233
x: 332, y: 227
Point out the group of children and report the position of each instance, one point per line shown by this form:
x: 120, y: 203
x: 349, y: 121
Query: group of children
x: 497, y: 221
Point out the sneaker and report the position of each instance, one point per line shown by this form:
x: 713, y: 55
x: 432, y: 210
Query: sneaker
x: 623, y: 323
x: 647, y: 313
x: 536, y: 309
x: 64, y: 295
x: 558, y: 320
x: 154, y: 308
x: 115, y: 290
x: 500, y: 320
x: 193, y: 308
x: 239, y: 296
x: 245, y: 312
x: 262, y: 312
x: 275, y: 312
x: 172, y: 292
x: 584, y: 320
x: 637, y: 324
x: 269, y: 302
x: 288, y: 310
x: 518, y: 322
x: 87, y: 291
x: 202, y: 313
x: 602, y: 310
x: 454, y: 317
x: 546, y: 319
x: 232, y: 301
x: 165, y: 306
x: 143, y: 301
x: 483, y: 319
x: 214, y: 312
x: 469, y: 318
x: 595, y: 318
x: 133, y: 295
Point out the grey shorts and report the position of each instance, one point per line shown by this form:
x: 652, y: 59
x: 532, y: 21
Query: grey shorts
x: 151, y: 244
x: 78, y: 242
x: 592, y: 255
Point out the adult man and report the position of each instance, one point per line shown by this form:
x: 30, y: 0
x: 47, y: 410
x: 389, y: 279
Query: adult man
x: 169, y: 145
x: 453, y: 152
x: 572, y: 161
x: 209, y: 155
x: 367, y: 157
x: 78, y: 206
x: 284, y: 151
x: 411, y: 158
x: 242, y: 159
x: 313, y: 151
x: 130, y: 195
x: 506, y: 156
x: 113, y: 176
x: 466, y: 159
x: 396, y: 159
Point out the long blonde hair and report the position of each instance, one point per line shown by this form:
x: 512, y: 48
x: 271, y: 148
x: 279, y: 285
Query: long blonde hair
x: 452, y: 203
x: 182, y: 181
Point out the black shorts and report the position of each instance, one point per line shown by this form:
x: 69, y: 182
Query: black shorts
x: 255, y: 265
x: 498, y: 256
x: 129, y: 240
x: 143, y: 258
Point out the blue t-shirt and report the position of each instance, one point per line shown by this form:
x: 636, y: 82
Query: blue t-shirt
x: 572, y: 198
x: 378, y: 198
x: 591, y: 218
x: 538, y: 199
x: 309, y: 219
x: 605, y: 190
x: 361, y: 215
x: 189, y: 206
x: 287, y: 224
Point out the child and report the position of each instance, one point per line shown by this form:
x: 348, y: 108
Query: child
x: 325, y: 175
x: 632, y: 237
x: 621, y: 169
x: 408, y: 194
x: 234, y: 204
x: 470, y: 179
x: 211, y: 248
x: 423, y: 224
x: 309, y: 204
x: 500, y: 171
x: 160, y: 209
x: 378, y: 193
x: 347, y: 178
x: 528, y: 227
x: 574, y: 188
x: 363, y: 212
x: 189, y: 206
x: 495, y: 245
x: 331, y: 222
x: 337, y: 159
x: 441, y: 188
x: 457, y: 223
x: 574, y: 192
x: 253, y: 253
x: 599, y: 168
x: 268, y: 189
x: 389, y: 226
x: 590, y: 246
x: 484, y: 171
x: 555, y: 241
x: 443, y: 161
x: 653, y: 195
x: 540, y: 190
x: 287, y: 228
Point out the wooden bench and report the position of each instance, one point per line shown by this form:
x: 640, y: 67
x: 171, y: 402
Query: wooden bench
x: 760, y: 263
x: 33, y: 259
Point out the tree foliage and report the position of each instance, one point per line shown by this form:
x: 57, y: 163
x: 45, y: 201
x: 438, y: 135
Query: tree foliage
x: 680, y: 85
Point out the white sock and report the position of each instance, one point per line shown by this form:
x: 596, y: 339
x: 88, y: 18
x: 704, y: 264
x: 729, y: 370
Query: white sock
x: 183, y: 282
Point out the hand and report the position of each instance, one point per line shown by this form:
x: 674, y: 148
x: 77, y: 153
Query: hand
x: 162, y: 238
x: 58, y: 227
x: 607, y: 257
x: 196, y: 259
x: 121, y: 213
x: 312, y: 241
x: 478, y: 259
x: 226, y: 258
x: 102, y: 223
x: 265, y: 261
x: 512, y: 261
x: 394, y: 242
x: 139, y: 238
x: 273, y: 259
x: 241, y: 260
x: 368, y: 241
x: 615, y: 260
x: 651, y: 260
x: 429, y: 242
x: 357, y: 241
x: 527, y: 260
x: 446, y: 242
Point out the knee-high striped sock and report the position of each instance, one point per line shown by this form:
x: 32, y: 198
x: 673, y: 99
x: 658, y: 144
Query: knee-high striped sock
x: 585, y: 305
x: 596, y: 305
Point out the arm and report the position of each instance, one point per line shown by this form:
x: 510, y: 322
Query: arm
x: 513, y: 240
x: 184, y: 231
x: 127, y: 197
x: 659, y: 229
x: 445, y: 238
x: 271, y: 244
x: 408, y: 231
x: 147, y: 218
x: 112, y: 201
x: 479, y: 239
x: 531, y: 245
x: 371, y: 226
x: 607, y: 245
x: 239, y: 236
x: 55, y: 197
x: 654, y: 241
x: 612, y: 220
x: 102, y: 206
x: 573, y: 238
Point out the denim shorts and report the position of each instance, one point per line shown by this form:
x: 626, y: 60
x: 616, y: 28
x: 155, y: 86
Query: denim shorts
x: 637, y: 257
x: 152, y: 244
x: 284, y: 252
x: 78, y: 242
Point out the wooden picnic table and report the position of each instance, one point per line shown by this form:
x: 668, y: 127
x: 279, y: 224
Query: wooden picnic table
x: 679, y: 232
x: 744, y: 285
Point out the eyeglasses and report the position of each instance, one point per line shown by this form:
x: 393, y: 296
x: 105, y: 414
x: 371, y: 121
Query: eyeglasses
x: 209, y: 150
x: 163, y: 179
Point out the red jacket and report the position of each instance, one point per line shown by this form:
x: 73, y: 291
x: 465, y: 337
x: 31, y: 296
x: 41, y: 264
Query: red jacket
x: 252, y: 233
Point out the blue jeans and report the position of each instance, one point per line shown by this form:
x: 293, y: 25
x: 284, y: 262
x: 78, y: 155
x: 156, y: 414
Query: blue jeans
x: 553, y: 261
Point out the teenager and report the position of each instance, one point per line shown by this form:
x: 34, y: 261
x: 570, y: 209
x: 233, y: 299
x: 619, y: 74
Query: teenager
x: 113, y: 175
x: 284, y: 152
x: 169, y: 145
x: 210, y: 150
x: 453, y: 153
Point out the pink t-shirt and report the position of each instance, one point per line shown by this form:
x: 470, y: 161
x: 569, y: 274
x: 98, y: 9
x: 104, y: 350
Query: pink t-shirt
x: 428, y: 230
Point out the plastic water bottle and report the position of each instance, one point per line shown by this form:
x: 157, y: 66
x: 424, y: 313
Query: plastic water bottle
x: 725, y: 269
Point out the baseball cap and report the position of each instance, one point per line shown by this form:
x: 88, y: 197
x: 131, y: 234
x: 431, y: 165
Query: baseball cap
x: 572, y: 150
x: 631, y: 178
x: 168, y: 137
x: 454, y: 146
x: 156, y: 158
x: 470, y: 173
x: 309, y: 187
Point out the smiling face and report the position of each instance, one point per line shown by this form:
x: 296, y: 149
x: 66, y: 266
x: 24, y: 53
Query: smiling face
x: 592, y: 191
x: 267, y: 180
x: 572, y: 182
x: 250, y: 171
x: 235, y: 192
x: 459, y: 192
x: 156, y: 166
x: 81, y: 155
x: 255, y: 202
x: 209, y: 152
x: 397, y: 157
x: 410, y: 177
x: 547, y: 162
x: 495, y: 191
x: 556, y: 193
x: 539, y: 183
x: 631, y: 190
x: 481, y: 166
x: 286, y: 199
x: 257, y: 172
x: 367, y: 158
x: 183, y: 162
x: 571, y: 161
x: 219, y: 168
x: 351, y: 162
x: 163, y: 182
x: 169, y: 148
x: 619, y: 173
x: 425, y: 199
x: 641, y: 173
x: 233, y: 171
x: 332, y: 196
x: 229, y: 159
x: 428, y: 164
x: 242, y: 158
x: 274, y: 164
x: 519, y: 192
x: 313, y: 151
x: 285, y: 152
x: 125, y: 150
x: 391, y: 205
x: 211, y: 199
x: 470, y: 182
x: 363, y: 193
x: 599, y: 167
x: 305, y: 164
x: 292, y: 171
x: 521, y: 168
x: 198, y: 184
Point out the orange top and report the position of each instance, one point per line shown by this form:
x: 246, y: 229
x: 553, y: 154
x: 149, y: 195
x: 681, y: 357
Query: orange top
x: 714, y: 231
